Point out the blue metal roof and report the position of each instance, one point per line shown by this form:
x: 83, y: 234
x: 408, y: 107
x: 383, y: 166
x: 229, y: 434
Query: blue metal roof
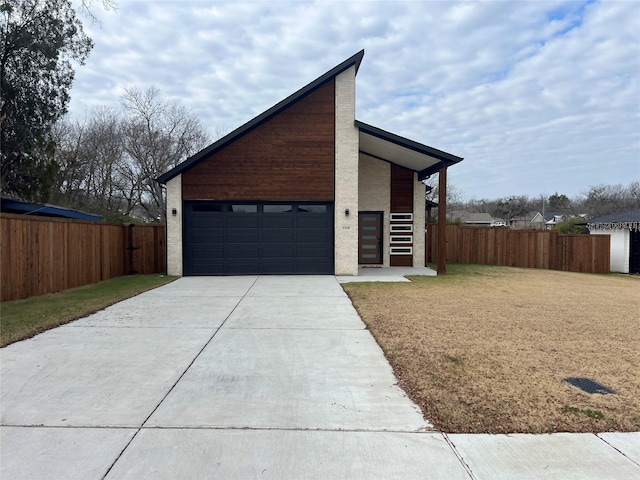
x: 16, y: 206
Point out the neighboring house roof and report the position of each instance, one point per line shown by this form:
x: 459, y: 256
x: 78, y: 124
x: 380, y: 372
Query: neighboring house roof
x: 374, y: 142
x: 26, y: 208
x: 479, y: 218
x: 471, y: 218
x: 553, y: 217
x: 529, y: 217
x: 618, y: 221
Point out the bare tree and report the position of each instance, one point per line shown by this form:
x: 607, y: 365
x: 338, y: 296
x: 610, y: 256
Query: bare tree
x: 157, y: 135
x: 68, y: 137
x: 602, y: 200
x: 515, y: 206
x: 454, y: 196
x: 103, y: 154
x: 85, y: 8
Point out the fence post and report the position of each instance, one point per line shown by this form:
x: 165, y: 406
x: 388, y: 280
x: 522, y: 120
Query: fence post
x: 129, y: 249
x: 553, y: 250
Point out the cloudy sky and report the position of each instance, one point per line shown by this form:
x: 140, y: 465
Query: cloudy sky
x: 537, y: 96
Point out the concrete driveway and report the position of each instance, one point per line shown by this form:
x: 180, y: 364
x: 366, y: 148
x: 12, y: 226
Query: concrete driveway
x: 238, y: 377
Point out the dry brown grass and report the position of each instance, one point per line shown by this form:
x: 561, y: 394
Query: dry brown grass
x: 486, y: 349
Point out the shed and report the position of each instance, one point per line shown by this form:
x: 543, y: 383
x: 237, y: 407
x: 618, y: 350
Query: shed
x: 624, y: 229
x: 303, y: 188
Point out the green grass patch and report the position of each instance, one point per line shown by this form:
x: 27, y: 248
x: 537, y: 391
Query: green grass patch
x: 21, y: 319
x: 588, y: 412
x: 458, y: 273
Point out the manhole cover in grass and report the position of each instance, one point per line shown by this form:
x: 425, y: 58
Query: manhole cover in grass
x: 588, y: 385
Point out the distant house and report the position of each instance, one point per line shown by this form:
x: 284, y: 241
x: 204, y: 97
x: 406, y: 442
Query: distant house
x: 530, y: 221
x: 471, y: 219
x: 552, y: 219
x: 9, y: 205
x: 624, y: 229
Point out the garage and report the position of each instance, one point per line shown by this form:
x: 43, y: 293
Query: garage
x: 245, y: 238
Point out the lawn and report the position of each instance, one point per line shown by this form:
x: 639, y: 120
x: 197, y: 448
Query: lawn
x: 487, y: 349
x: 20, y: 319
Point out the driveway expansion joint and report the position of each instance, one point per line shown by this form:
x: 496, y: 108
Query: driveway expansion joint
x: 178, y: 380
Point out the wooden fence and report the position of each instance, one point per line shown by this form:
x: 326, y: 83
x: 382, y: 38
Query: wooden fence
x: 530, y: 248
x: 41, y: 255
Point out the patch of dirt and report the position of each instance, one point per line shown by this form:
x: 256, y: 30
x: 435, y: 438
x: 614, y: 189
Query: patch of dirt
x: 487, y: 349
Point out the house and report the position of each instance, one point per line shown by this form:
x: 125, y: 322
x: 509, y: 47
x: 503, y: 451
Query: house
x: 303, y: 188
x: 471, y: 219
x: 552, y: 219
x: 530, y: 221
x: 624, y: 229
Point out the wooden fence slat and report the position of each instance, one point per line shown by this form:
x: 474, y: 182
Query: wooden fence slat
x: 530, y: 248
x: 41, y: 255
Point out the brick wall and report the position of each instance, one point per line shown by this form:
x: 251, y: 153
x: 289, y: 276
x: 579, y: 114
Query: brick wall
x: 375, y: 193
x: 346, y: 175
x: 174, y: 226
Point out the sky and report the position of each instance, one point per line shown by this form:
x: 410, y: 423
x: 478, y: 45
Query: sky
x: 538, y: 97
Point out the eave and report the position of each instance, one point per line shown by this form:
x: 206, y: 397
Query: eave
x: 387, y: 146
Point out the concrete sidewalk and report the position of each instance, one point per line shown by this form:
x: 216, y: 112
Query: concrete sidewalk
x: 247, y: 377
x: 386, y: 274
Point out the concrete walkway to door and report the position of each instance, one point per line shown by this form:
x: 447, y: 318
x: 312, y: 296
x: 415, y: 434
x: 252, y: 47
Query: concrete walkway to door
x: 237, y: 377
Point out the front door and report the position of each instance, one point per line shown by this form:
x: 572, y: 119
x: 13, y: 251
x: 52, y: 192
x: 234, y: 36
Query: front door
x: 634, y: 254
x: 370, y: 238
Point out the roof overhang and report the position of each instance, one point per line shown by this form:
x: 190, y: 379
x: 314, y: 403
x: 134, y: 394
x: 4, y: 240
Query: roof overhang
x: 387, y: 146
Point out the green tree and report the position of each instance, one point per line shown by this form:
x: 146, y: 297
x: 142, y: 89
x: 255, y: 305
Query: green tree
x: 39, y: 40
x: 572, y: 225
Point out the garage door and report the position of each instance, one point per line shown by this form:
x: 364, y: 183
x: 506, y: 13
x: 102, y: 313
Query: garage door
x: 222, y: 238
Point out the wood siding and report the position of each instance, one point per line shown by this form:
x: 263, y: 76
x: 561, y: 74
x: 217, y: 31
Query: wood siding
x: 401, y: 189
x: 401, y: 202
x: 531, y: 249
x: 289, y: 157
x: 42, y: 255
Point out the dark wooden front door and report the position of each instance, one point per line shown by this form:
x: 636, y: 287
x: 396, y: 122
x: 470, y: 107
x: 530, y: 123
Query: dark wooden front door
x: 634, y: 254
x: 370, y: 238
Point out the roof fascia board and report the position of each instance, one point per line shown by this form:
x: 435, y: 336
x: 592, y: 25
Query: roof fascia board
x: 354, y: 60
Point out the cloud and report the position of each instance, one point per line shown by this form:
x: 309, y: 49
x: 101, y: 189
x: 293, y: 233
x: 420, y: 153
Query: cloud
x: 537, y: 96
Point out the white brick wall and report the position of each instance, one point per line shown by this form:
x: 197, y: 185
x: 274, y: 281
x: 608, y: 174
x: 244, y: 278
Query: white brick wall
x: 419, y: 195
x: 346, y: 171
x: 174, y: 226
x: 375, y: 194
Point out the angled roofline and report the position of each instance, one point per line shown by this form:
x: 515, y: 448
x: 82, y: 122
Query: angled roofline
x: 263, y: 117
x: 446, y: 159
